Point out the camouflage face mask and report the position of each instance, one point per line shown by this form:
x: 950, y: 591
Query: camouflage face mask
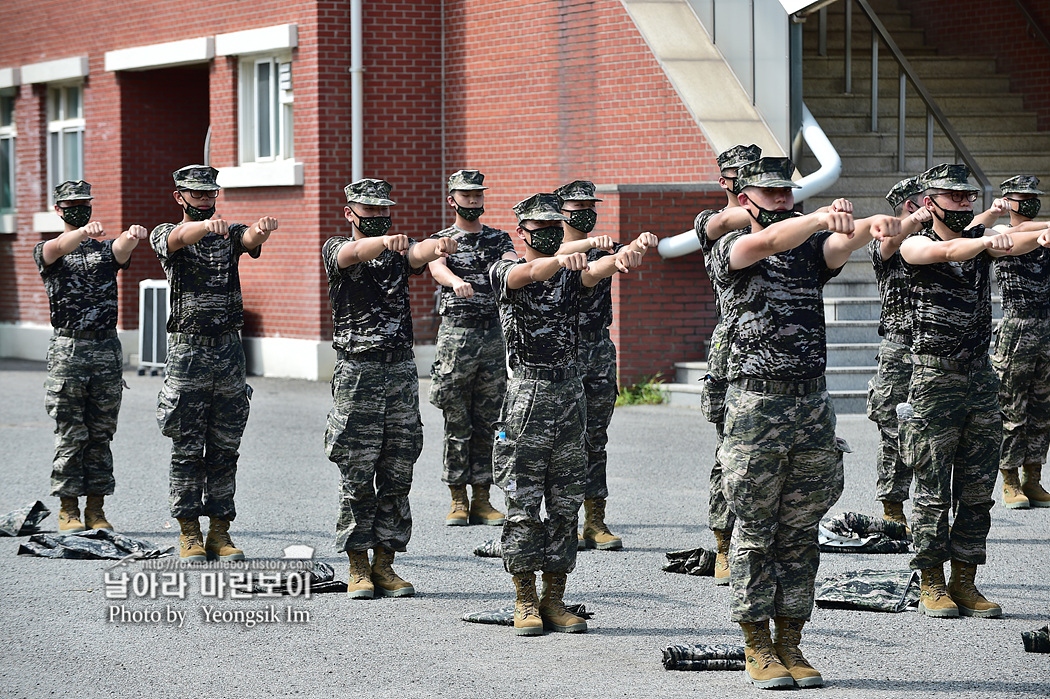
x: 195, y: 214
x: 956, y: 221
x: 545, y: 241
x: 1027, y: 208
x: 583, y: 220
x: 77, y: 216
x: 373, y: 226
x: 767, y: 218
x: 470, y: 214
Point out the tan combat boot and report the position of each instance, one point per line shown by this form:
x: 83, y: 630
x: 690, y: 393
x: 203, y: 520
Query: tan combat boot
x: 933, y: 595
x: 359, y: 585
x: 1013, y: 496
x: 94, y: 517
x: 552, y: 609
x: 722, y: 539
x: 219, y: 546
x: 387, y: 582
x: 788, y: 632
x: 894, y: 512
x: 191, y: 541
x: 965, y: 594
x: 764, y: 669
x: 481, y: 510
x: 527, y: 620
x: 458, y: 516
x: 596, y: 534
x: 69, y: 516
x: 1036, y: 494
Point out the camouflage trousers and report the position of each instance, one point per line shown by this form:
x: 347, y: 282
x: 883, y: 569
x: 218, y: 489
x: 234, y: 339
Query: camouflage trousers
x: 469, y: 378
x: 886, y: 389
x: 84, y: 385
x: 719, y: 515
x: 952, y: 443
x: 1022, y: 360
x: 782, y: 472
x: 597, y: 362
x: 374, y: 436
x: 539, y: 457
x: 203, y: 408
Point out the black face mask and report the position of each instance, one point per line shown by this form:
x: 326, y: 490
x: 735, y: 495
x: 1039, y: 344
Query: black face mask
x: 583, y: 220
x: 77, y: 216
x: 730, y: 184
x: 767, y: 218
x: 195, y: 214
x: 1028, y: 208
x: 956, y: 221
x: 470, y: 214
x: 545, y: 240
x: 373, y: 226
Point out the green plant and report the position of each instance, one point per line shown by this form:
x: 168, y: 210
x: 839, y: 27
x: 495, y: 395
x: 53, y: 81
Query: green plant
x: 646, y: 392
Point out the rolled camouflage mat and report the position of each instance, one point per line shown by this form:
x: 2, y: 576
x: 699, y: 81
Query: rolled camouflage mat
x: 505, y: 616
x: 92, y: 544
x: 23, y: 521
x: 490, y: 549
x: 858, y: 533
x: 1037, y: 641
x: 705, y: 656
x: 698, y: 561
x: 870, y: 590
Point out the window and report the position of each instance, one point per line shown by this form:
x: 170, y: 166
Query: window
x: 266, y: 109
x: 8, y: 132
x: 65, y: 136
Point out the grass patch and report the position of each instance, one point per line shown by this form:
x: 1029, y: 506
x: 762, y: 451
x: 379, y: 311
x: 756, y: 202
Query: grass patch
x: 647, y: 392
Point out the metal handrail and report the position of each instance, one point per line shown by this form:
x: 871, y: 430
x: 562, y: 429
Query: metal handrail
x: 1036, y: 29
x: 906, y: 74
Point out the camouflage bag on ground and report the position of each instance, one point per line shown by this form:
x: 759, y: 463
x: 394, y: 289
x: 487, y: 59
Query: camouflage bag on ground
x: 94, y: 543
x: 23, y: 521
x: 505, y: 616
x: 857, y: 533
x: 870, y: 590
x: 698, y: 561
x: 490, y: 549
x: 1037, y: 641
x: 704, y: 656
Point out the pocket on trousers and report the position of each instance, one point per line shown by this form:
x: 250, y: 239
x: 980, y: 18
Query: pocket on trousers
x: 713, y: 399
x: 336, y: 443
x: 58, y: 400
x: 168, y: 415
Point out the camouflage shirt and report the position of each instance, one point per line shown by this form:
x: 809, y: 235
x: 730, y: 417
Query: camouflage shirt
x: 776, y: 308
x: 706, y: 244
x: 952, y: 304
x: 540, y: 320
x: 1024, y: 283
x: 370, y: 302
x: 892, y: 278
x: 82, y: 286
x: 596, y: 311
x: 471, y: 261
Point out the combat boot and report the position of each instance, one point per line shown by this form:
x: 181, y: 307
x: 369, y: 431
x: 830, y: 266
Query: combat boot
x: 387, y: 582
x: 1013, y: 496
x: 191, y: 541
x: 94, y: 517
x: 933, y: 596
x: 219, y: 546
x: 764, y: 669
x: 552, y: 608
x: 1036, y: 494
x: 458, y: 516
x: 722, y: 539
x: 359, y: 584
x: 69, y: 516
x: 788, y: 633
x: 596, y: 534
x: 481, y: 510
x: 894, y: 512
x: 527, y: 620
x: 965, y: 594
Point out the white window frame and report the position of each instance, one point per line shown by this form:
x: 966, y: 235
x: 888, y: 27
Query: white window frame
x: 60, y: 122
x: 281, y: 99
x: 9, y: 135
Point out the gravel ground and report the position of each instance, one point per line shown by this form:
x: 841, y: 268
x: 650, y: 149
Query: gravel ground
x: 61, y: 641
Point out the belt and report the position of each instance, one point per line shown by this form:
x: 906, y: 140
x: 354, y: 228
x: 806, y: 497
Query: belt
x: 86, y: 334
x: 958, y: 366
x: 204, y: 340
x: 464, y: 322
x: 787, y: 388
x: 538, y: 374
x: 389, y: 356
x: 1024, y: 314
x: 899, y: 339
x: 595, y: 336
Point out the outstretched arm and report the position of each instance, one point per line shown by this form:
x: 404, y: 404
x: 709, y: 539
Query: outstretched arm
x: 127, y: 242
x: 544, y: 268
x: 259, y: 232
x: 785, y: 235
x: 623, y: 261
x: 70, y: 241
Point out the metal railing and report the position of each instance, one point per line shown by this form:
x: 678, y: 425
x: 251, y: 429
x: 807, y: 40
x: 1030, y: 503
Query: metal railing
x: 905, y: 74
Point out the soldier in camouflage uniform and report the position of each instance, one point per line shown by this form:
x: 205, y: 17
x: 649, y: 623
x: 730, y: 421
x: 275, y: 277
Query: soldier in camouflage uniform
x: 719, y: 515
x: 374, y: 432
x: 539, y: 454
x: 889, y: 386
x: 469, y: 375
x: 203, y: 405
x: 782, y: 462
x: 597, y: 354
x: 1021, y: 356
x: 951, y: 428
x: 84, y: 358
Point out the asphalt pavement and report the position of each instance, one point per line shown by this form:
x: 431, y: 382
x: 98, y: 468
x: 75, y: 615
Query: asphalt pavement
x: 64, y: 640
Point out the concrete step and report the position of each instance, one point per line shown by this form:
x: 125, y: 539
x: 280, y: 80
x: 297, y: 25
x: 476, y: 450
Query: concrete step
x: 886, y: 163
x: 886, y: 143
x: 991, y: 123
x: 953, y: 105
x: 888, y: 84
x: 690, y: 373
x: 909, y: 41
x: 849, y: 402
x: 928, y: 68
x: 853, y: 331
x: 870, y: 308
x: 846, y: 402
x: 849, y: 378
x: 847, y: 288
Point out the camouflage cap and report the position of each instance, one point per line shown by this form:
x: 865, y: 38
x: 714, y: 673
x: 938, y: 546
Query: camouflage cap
x: 465, y: 179
x: 948, y: 176
x: 72, y: 191
x: 196, y: 177
x: 901, y: 191
x: 577, y: 190
x: 540, y: 207
x: 738, y: 155
x: 768, y: 173
x: 1021, y: 184
x: 368, y: 192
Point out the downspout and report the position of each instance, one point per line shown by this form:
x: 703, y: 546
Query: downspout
x: 357, y: 150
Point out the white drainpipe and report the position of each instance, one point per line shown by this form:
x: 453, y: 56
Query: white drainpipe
x: 357, y: 150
